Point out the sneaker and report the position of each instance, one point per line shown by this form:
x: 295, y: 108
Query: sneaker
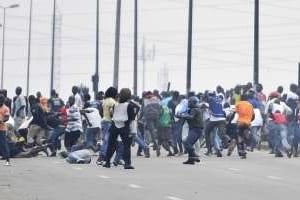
x: 53, y: 154
x: 189, y: 162
x: 243, y: 155
x: 116, y: 163
x: 99, y: 161
x: 139, y: 154
x: 229, y: 153
x: 219, y: 154
x: 175, y: 150
x: 158, y: 152
x: 196, y: 159
x: 170, y: 154
x: 106, y: 165
x: 278, y: 155
x: 7, y: 163
x: 289, y: 154
x: 128, y: 167
x: 147, y: 152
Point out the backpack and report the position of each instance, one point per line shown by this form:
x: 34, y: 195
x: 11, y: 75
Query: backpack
x: 152, y: 111
x: 165, y: 118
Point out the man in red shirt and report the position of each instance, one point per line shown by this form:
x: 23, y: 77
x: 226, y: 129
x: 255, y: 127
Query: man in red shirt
x: 4, y: 116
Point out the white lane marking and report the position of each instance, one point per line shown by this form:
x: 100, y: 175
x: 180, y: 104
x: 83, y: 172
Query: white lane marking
x: 135, y: 186
x: 104, y: 177
x: 173, y: 198
x: 234, y: 169
x: 56, y: 162
x: 77, y: 168
x: 275, y: 177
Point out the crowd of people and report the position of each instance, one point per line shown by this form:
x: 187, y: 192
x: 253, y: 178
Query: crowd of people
x: 218, y: 120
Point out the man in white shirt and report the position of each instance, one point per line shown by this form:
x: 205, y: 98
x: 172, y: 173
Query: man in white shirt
x: 93, y: 120
x: 78, y: 100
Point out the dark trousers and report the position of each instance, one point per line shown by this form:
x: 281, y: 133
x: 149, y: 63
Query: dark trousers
x: 243, y: 136
x: 164, y: 137
x: 113, y: 143
x: 4, y: 150
x: 71, y: 139
x: 296, y: 139
x: 141, y: 130
x: 194, y: 135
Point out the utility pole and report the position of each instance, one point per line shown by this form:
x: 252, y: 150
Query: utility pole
x: 117, y: 45
x: 144, y: 59
x: 256, y: 43
x: 189, y: 50
x: 53, y: 47
x: 3, y: 48
x: 298, y: 74
x: 95, y: 78
x: 29, y: 50
x: 3, y: 39
x: 146, y: 55
x: 135, y: 75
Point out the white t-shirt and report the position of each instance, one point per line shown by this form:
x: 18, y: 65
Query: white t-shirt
x: 78, y: 100
x: 258, y: 120
x: 93, y: 117
x: 120, y: 115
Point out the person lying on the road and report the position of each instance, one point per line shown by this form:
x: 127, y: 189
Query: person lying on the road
x: 83, y: 156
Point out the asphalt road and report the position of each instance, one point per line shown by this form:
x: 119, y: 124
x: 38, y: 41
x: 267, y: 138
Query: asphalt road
x: 260, y: 176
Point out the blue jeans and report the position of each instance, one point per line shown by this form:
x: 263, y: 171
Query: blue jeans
x: 105, y: 131
x: 217, y: 140
x: 280, y: 134
x: 4, y: 150
x: 91, y: 135
x: 177, y: 134
x: 296, y: 139
x: 210, y: 134
x: 291, y: 128
x: 140, y: 141
x: 194, y: 135
x: 54, y: 137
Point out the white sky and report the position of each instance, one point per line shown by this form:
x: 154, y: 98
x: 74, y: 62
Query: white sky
x: 222, y: 43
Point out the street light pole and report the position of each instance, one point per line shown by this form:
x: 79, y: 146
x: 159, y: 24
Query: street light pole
x: 53, y: 47
x: 3, y: 40
x: 95, y: 78
x: 189, y: 54
x: 135, y: 77
x: 29, y: 49
x: 298, y: 74
x: 117, y: 46
x: 256, y: 43
x: 3, y: 48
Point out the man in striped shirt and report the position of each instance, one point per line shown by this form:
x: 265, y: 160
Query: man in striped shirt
x: 74, y: 124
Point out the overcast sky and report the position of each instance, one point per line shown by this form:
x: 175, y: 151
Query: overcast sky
x: 222, y: 43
